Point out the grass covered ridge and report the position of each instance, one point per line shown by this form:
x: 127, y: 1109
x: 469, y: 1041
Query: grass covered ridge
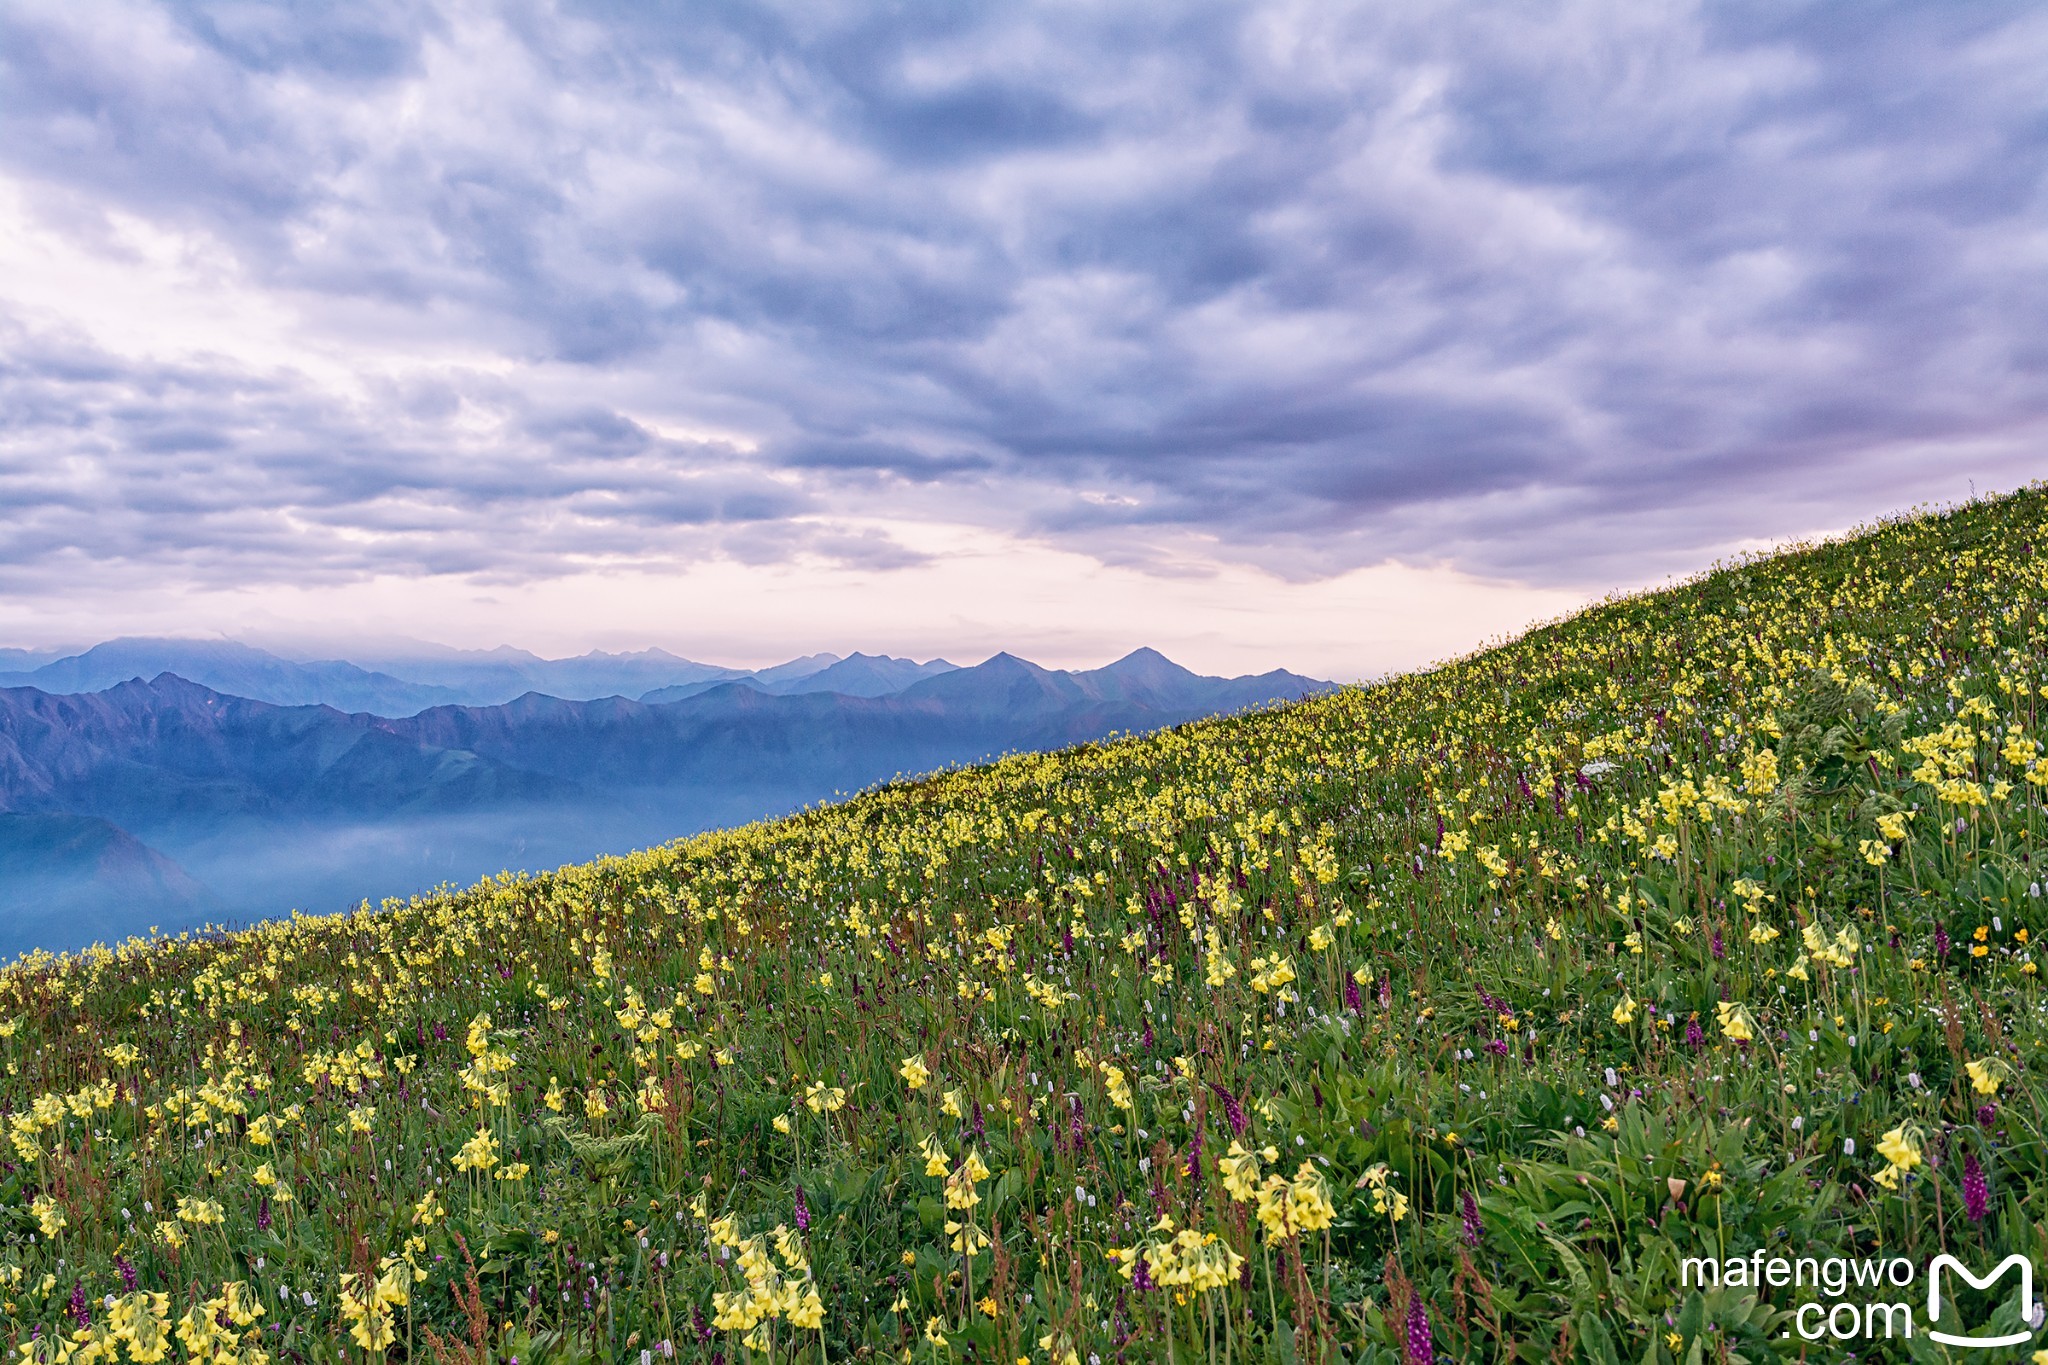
x: 1446, y: 1015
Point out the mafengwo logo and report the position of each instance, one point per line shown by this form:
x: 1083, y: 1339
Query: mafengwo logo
x: 1853, y: 1296
x: 2028, y: 1312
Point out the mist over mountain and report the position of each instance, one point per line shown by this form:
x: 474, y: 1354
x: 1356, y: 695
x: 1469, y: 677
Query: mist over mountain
x: 198, y: 802
x: 73, y: 879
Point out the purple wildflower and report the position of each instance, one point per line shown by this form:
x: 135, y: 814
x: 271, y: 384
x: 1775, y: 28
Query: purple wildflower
x: 1421, y: 1342
x: 127, y: 1273
x: 1141, y: 1275
x: 697, y: 1323
x: 1351, y: 998
x: 1719, y: 951
x: 1694, y: 1038
x: 1233, y: 1112
x: 80, y: 1314
x: 1074, y: 1127
x: 1148, y: 1034
x: 262, y: 1217
x: 803, y: 1212
x: 1195, y: 1157
x: 980, y: 1129
x: 1941, y: 940
x: 1386, y: 992
x: 1987, y: 1114
x: 1976, y: 1194
x: 1474, y: 1229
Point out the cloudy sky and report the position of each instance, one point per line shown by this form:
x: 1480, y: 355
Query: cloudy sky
x: 1339, y: 337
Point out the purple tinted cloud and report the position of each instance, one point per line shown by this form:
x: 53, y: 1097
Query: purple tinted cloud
x: 1567, y: 292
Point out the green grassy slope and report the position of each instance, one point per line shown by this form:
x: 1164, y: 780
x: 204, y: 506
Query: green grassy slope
x: 1449, y: 1014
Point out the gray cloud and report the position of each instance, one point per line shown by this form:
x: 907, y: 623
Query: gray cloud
x: 1571, y: 292
x: 231, y: 474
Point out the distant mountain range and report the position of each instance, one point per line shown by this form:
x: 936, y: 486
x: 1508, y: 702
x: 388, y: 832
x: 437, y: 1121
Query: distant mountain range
x: 401, y: 684
x: 856, y: 675
x: 167, y: 799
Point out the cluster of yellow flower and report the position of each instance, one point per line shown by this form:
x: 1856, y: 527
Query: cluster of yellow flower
x: 1188, y: 1259
x: 368, y: 1301
x: 1385, y: 1200
x: 786, y: 1292
x: 1900, y: 1148
x: 1285, y: 1207
x: 138, y: 1327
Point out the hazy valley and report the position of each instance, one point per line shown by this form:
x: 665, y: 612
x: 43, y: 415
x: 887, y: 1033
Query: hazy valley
x: 169, y: 800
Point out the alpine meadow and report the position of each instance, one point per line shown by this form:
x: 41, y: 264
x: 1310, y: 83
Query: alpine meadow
x: 1439, y: 1019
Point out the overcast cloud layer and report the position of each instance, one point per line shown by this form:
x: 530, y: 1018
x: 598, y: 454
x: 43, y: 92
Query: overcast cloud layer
x: 1561, y: 293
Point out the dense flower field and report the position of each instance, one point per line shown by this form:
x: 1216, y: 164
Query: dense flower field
x: 1439, y: 1019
